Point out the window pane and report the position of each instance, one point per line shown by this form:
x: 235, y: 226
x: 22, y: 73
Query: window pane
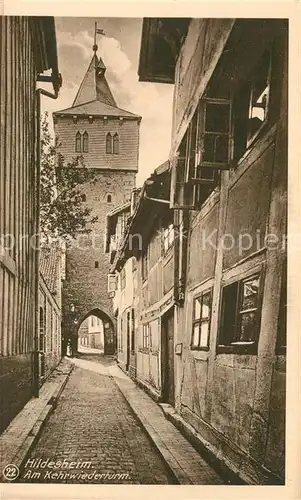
x: 209, y: 147
x: 228, y: 314
x: 222, y: 148
x: 215, y: 148
x: 217, y: 117
x: 195, y: 335
x: 197, y: 308
x: 206, y: 306
x: 250, y: 294
x: 204, y: 334
x: 207, y: 173
x: 247, y: 327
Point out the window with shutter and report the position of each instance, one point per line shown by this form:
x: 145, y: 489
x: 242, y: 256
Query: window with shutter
x: 204, y: 151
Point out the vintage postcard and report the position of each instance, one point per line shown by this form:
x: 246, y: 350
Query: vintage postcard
x: 144, y: 270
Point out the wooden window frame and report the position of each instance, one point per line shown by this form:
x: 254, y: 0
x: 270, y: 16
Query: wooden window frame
x: 146, y: 336
x: 188, y: 168
x: 235, y: 347
x: 199, y: 321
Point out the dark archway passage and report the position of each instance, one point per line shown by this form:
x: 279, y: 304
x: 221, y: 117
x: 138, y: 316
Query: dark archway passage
x: 109, y: 330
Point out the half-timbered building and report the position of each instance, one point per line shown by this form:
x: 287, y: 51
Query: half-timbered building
x: 228, y: 190
x: 28, y: 48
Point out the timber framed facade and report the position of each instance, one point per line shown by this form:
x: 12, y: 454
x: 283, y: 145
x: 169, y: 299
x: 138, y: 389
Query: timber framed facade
x: 28, y: 48
x: 227, y: 189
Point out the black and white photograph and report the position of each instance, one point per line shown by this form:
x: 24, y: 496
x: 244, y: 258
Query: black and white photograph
x: 143, y: 250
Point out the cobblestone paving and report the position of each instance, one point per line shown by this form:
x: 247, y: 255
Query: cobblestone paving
x: 94, y: 423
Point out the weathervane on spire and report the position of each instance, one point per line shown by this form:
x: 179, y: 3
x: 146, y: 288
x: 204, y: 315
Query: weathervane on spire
x: 98, y: 31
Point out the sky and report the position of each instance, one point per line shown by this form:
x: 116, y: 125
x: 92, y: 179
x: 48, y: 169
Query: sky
x: 119, y: 50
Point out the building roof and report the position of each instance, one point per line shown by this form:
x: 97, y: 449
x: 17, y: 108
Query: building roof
x: 146, y: 207
x: 161, y: 41
x: 97, y: 108
x: 94, y: 96
x: 46, y: 49
x: 49, y: 267
x: 94, y: 85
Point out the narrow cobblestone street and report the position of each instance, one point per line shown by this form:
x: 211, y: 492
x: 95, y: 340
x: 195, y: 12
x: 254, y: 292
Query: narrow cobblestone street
x: 94, y: 426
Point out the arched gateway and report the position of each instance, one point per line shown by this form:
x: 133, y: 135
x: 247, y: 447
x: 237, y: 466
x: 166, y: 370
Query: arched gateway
x: 109, y: 330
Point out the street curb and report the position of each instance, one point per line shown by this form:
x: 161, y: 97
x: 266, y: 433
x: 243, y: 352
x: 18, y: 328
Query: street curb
x: 172, y: 465
x: 201, y: 446
x: 34, y: 433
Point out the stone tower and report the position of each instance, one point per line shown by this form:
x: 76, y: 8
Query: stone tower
x: 108, y: 139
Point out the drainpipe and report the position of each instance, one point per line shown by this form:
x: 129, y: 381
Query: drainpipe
x: 56, y: 81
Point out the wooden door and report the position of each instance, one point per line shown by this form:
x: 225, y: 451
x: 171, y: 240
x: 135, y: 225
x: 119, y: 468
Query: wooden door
x: 167, y: 365
x: 128, y: 328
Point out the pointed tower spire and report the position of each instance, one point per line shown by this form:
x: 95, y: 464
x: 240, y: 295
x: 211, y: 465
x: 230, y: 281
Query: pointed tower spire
x: 94, y: 85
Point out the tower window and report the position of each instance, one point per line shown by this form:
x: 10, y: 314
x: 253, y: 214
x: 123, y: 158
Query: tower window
x: 78, y: 143
x: 116, y: 144
x: 84, y: 197
x: 85, y: 142
x: 96, y: 264
x: 109, y: 143
x: 109, y: 198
